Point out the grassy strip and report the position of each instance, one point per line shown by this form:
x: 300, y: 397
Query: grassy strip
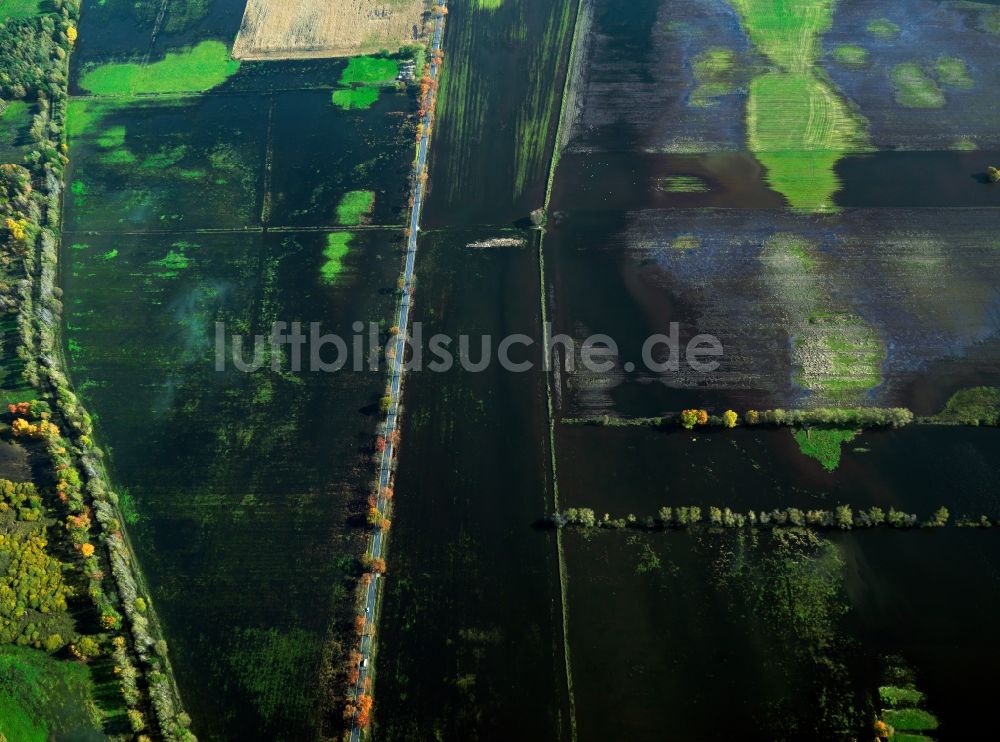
x: 895, y: 696
x: 191, y: 70
x: 910, y: 720
x: 583, y: 12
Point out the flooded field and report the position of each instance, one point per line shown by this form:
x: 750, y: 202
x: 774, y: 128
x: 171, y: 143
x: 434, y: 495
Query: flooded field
x: 806, y: 184
x: 202, y: 191
x: 499, y: 108
x: 914, y: 470
x: 844, y: 258
x: 458, y: 650
x: 797, y: 638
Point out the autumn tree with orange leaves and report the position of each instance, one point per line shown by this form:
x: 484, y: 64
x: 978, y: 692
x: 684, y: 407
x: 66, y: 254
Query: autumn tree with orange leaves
x: 364, y: 707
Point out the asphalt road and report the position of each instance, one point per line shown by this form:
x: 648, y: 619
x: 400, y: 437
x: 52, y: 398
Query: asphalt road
x: 376, y: 541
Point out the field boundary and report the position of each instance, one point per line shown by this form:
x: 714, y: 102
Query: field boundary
x: 581, y: 26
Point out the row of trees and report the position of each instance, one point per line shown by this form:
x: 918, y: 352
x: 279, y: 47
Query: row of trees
x: 34, y: 65
x: 848, y: 417
x: 843, y: 517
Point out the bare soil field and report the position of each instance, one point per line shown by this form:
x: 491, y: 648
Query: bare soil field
x: 297, y: 29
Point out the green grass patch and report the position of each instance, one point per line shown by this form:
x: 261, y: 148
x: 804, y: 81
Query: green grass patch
x: 914, y: 88
x: 953, y: 72
x: 682, y: 184
x: 15, y: 9
x: 789, y: 253
x: 838, y: 356
x: 797, y: 126
x: 989, y: 21
x: 883, y: 28
x: 192, y: 70
x: 166, y: 157
x: 354, y: 207
x: 113, y: 136
x: 369, y: 70
x: 714, y: 61
x: 824, y: 445
x: 173, y: 262
x: 714, y: 72
x: 850, y: 55
x: 82, y: 117
x: 489, y: 4
x: 16, y: 114
x: 118, y: 157
x: 337, y: 246
x: 14, y: 126
x: 976, y: 406
x: 964, y: 144
x: 897, y: 697
x: 910, y: 720
x: 685, y: 242
x: 42, y: 698
x: 799, y: 129
x: 786, y: 32
x: 354, y: 98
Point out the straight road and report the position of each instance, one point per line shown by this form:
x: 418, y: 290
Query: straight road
x: 377, y: 540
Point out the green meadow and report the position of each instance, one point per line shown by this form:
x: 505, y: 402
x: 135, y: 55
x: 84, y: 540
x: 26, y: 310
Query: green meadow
x: 42, y: 698
x: 354, y: 207
x: 369, y: 70
x: 358, y: 97
x: 193, y: 70
x: 797, y: 125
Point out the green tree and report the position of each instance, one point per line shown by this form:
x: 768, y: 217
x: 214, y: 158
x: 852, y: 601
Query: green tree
x: 689, y: 418
x: 53, y: 643
x: 940, y: 517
